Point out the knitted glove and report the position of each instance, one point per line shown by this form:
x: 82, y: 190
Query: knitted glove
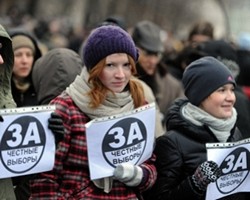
x: 56, y: 126
x: 206, y: 173
x: 129, y: 174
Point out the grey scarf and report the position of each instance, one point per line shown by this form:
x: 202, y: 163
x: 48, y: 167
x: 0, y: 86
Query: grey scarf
x: 220, y: 127
x: 113, y: 104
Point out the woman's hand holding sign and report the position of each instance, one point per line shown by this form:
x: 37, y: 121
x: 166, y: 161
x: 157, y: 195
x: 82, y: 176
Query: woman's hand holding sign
x: 129, y: 174
x: 206, y: 173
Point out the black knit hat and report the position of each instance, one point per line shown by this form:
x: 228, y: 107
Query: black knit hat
x: 203, y: 76
x: 107, y: 40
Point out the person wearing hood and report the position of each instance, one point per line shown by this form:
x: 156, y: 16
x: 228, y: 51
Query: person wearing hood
x: 6, y: 99
x: 63, y: 66
x: 104, y: 88
x: 26, y: 52
x: 207, y: 115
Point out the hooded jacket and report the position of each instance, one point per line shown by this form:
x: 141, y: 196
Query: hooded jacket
x: 180, y: 152
x: 63, y: 66
x: 6, y: 99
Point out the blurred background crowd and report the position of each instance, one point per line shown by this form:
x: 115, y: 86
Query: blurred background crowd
x: 182, y: 25
x: 65, y: 22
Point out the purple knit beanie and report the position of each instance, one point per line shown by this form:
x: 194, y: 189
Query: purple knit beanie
x: 106, y: 40
x: 203, y: 76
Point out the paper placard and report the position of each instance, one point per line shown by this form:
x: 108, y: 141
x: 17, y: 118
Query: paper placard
x: 234, y: 160
x: 27, y: 146
x: 128, y: 137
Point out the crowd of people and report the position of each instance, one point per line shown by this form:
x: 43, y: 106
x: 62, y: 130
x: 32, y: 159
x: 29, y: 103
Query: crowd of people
x: 201, y: 94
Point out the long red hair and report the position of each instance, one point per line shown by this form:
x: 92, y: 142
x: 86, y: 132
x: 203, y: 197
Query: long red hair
x: 98, y: 93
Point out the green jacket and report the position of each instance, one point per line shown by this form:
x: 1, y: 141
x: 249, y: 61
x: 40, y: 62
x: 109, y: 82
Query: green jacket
x: 6, y: 99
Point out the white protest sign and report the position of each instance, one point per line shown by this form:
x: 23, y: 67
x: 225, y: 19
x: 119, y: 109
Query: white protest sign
x: 120, y: 138
x: 234, y: 160
x: 27, y: 146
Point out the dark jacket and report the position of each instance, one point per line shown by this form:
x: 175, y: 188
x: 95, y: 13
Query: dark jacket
x: 242, y: 106
x: 27, y: 98
x: 165, y: 87
x: 179, y: 153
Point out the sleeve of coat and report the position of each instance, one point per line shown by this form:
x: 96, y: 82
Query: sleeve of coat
x: 150, y: 174
x: 171, y: 182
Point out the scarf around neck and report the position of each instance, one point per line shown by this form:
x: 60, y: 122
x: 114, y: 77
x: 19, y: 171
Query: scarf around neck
x: 220, y: 127
x: 113, y: 104
x: 21, y: 84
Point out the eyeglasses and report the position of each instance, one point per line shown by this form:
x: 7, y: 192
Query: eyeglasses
x: 151, y: 53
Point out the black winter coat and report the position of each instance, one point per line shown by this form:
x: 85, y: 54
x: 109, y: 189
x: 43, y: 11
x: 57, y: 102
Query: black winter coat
x: 179, y: 153
x: 28, y: 98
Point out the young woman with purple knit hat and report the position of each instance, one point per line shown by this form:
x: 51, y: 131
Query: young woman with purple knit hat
x: 105, y: 87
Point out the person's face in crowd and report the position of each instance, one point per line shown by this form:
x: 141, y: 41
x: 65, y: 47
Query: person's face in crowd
x: 220, y: 103
x: 149, y: 60
x: 116, y: 73
x: 23, y: 62
x: 198, y: 38
x: 1, y: 57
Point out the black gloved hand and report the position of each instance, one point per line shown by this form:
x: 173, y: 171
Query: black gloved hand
x: 206, y: 173
x: 56, y: 126
x: 1, y: 118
